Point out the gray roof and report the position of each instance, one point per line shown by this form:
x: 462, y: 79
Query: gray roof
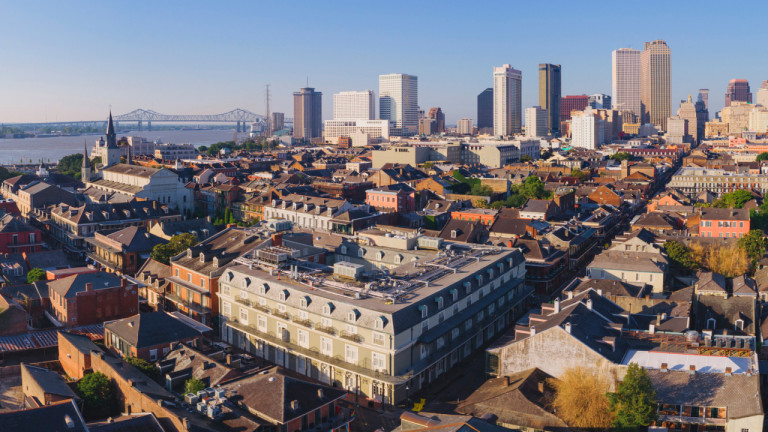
x: 133, y: 170
x: 82, y: 343
x: 136, y: 422
x: 47, y: 418
x: 151, y: 329
x: 739, y: 393
x: 68, y: 287
x: 630, y: 261
x: 49, y: 381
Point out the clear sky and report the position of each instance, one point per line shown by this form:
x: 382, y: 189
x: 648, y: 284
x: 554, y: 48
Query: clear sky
x: 63, y: 60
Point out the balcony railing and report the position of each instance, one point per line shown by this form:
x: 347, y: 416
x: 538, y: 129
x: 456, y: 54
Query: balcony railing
x: 329, y: 330
x: 243, y: 301
x: 280, y: 314
x: 354, y: 337
x: 305, y: 322
x: 261, y: 307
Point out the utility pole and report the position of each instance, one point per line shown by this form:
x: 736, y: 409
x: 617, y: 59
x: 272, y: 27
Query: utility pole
x: 268, y: 120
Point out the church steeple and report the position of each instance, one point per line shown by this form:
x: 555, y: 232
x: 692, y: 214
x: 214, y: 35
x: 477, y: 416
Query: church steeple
x: 111, y: 135
x: 85, y: 171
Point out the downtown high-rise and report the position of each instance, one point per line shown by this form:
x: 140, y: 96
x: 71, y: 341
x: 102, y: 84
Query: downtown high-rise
x: 357, y: 105
x: 655, y: 86
x: 507, y: 101
x: 625, y: 65
x: 738, y: 91
x: 399, y: 103
x: 549, y: 95
x: 307, y: 114
x: 485, y: 111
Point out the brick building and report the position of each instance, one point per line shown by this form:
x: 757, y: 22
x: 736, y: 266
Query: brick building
x: 572, y: 103
x: 725, y: 223
x: 18, y: 237
x: 92, y: 298
x: 75, y: 353
x: 399, y: 198
x: 484, y: 216
x: 148, y: 336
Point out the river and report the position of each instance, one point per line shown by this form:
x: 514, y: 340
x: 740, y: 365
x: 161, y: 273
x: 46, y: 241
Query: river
x: 54, y: 148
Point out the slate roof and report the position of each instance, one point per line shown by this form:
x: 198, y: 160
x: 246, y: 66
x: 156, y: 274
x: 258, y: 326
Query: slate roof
x: 47, y: 260
x: 466, y: 231
x: 224, y: 246
x: 630, y: 261
x: 12, y: 224
x: 200, y: 366
x: 655, y: 220
x: 743, y: 286
x: 133, y: 239
x: 726, y: 311
x: 515, y: 399
x: 432, y: 422
x: 133, y: 170
x: 47, y: 418
x: 739, y: 393
x: 136, y: 422
x: 716, y: 214
x: 68, y: 287
x: 269, y: 394
x: 610, y: 287
x: 49, y: 381
x: 151, y: 329
x: 711, y: 283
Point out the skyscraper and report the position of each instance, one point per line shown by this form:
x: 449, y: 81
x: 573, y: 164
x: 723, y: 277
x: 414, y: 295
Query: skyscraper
x: 572, y: 103
x: 399, y: 103
x: 655, y: 91
x: 485, y: 111
x: 704, y: 97
x: 464, y: 126
x: 702, y: 112
x: 507, y: 101
x: 600, y: 101
x: 536, y: 120
x: 550, y: 94
x: 354, y: 105
x: 738, y: 90
x: 437, y: 115
x: 307, y: 114
x: 278, y: 121
x: 762, y: 95
x: 687, y: 111
x: 625, y: 65
x: 587, y: 130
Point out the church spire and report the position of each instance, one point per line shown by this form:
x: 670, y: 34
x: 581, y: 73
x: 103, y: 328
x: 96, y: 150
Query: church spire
x: 111, y: 135
x: 86, y: 162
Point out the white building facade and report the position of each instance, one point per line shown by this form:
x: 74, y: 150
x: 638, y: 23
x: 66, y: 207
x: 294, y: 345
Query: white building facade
x: 626, y: 80
x: 535, y: 122
x: 357, y: 105
x: 464, y: 127
x: 588, y: 130
x: 507, y: 100
x: 376, y: 130
x: 399, y: 103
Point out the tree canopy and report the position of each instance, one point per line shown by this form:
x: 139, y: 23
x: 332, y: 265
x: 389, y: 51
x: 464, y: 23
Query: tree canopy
x: 193, y: 385
x: 735, y: 199
x: 762, y: 156
x: 147, y: 368
x: 5, y: 174
x: 98, y: 394
x: 178, y: 244
x: 680, y: 256
x: 36, y: 274
x: 634, y: 403
x: 621, y: 156
x: 754, y: 243
x: 581, y: 399
x: 526, y: 158
x: 70, y: 165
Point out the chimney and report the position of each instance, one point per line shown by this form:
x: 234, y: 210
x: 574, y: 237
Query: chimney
x: 568, y: 327
x: 728, y: 371
x: 277, y: 239
x: 88, y: 287
x: 533, y: 330
x: 320, y: 393
x: 557, y: 305
x: 692, y: 369
x: 509, y: 243
x: 570, y: 295
x: 651, y: 329
x: 589, y: 304
x: 600, y: 292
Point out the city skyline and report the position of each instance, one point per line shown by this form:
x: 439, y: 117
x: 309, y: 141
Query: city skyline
x: 68, y: 67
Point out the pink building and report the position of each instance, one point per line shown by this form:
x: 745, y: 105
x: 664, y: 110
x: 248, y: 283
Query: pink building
x: 724, y: 223
x: 398, y: 197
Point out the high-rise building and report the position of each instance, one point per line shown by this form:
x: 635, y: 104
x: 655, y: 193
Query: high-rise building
x: 399, y: 103
x: 572, y: 103
x: 655, y: 90
x: 278, y: 121
x: 587, y: 130
x: 678, y: 130
x: 464, y: 126
x: 625, y: 65
x: 614, y: 123
x: 437, y: 115
x: 307, y: 114
x: 704, y: 97
x: 600, y: 101
x: 550, y: 94
x: 738, y: 91
x: 762, y: 95
x: 427, y: 126
x: 536, y: 122
x: 688, y: 112
x: 507, y: 100
x: 354, y: 105
x: 485, y: 111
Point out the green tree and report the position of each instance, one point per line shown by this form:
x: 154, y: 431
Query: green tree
x: 193, y: 385
x: 534, y: 188
x: 680, y: 256
x: 178, y: 244
x: 735, y: 199
x: 579, y: 174
x: 754, y: 243
x: 481, y: 190
x: 428, y: 165
x: 526, y: 158
x: 634, y: 403
x: 70, y: 165
x: 621, y: 156
x: 98, y: 394
x: 546, y: 154
x: 147, y: 368
x: 762, y: 156
x: 36, y: 274
x: 5, y: 174
x: 480, y: 203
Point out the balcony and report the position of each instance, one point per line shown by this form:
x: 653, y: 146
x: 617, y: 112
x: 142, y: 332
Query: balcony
x: 354, y: 337
x: 261, y: 307
x: 305, y: 322
x: 328, y: 330
x: 243, y: 301
x: 278, y: 313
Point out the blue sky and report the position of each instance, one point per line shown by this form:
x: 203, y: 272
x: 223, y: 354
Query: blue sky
x: 71, y: 60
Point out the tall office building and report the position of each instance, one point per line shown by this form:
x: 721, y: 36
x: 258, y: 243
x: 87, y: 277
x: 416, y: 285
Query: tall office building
x: 550, y: 94
x: 738, y: 91
x: 704, y: 97
x: 587, y: 130
x: 354, y: 105
x: 689, y: 113
x: 572, y: 103
x: 625, y: 65
x: 507, y: 100
x: 278, y: 121
x: 399, y: 103
x: 464, y: 126
x: 762, y: 95
x: 655, y: 90
x: 485, y: 111
x: 600, y: 101
x: 307, y: 114
x: 436, y: 114
x: 536, y: 120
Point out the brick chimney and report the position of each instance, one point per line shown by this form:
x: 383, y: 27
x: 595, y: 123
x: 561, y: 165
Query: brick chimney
x: 277, y: 239
x: 88, y: 287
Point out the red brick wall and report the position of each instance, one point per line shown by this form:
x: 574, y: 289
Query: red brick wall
x: 72, y: 360
x: 6, y: 241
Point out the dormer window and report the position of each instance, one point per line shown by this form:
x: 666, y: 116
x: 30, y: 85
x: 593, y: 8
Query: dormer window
x: 455, y: 294
x: 283, y: 295
x: 343, y: 250
x: 246, y: 282
x: 711, y: 323
x: 398, y: 259
x: 439, y: 301
x: 380, y: 322
x: 380, y: 256
x: 328, y: 308
x: 424, y: 311
x: 360, y: 252
x: 468, y: 286
x: 263, y: 289
x: 739, y: 324
x: 353, y: 315
x: 305, y: 301
x: 454, y: 233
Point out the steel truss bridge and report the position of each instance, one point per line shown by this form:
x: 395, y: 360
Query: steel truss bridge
x: 238, y: 116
